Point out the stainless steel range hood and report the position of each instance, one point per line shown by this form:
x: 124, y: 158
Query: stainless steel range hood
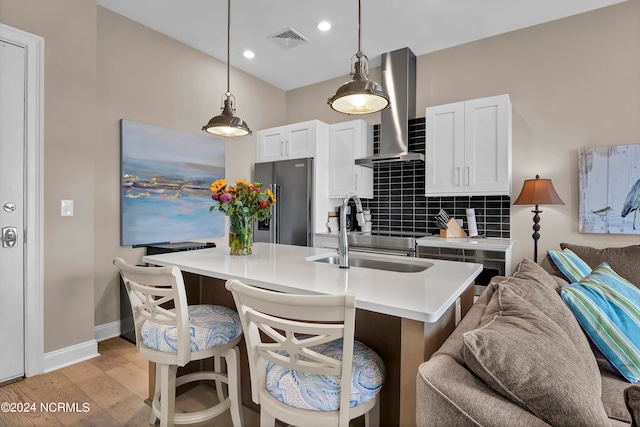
x: 399, y: 80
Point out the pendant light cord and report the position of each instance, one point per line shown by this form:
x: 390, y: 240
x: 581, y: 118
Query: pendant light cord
x: 228, y: 44
x: 359, y: 54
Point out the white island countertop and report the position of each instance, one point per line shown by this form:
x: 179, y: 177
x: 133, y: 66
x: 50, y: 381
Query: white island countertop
x: 422, y: 296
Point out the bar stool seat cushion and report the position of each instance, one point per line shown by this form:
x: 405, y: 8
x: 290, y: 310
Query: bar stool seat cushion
x: 322, y: 392
x: 210, y: 326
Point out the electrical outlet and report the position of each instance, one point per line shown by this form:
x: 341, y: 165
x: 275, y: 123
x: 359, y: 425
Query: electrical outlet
x: 66, y: 207
x: 458, y: 312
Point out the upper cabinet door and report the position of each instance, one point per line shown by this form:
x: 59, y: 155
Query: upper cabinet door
x: 270, y: 145
x: 444, y: 149
x: 468, y: 148
x: 300, y: 140
x: 350, y: 141
x: 488, y: 145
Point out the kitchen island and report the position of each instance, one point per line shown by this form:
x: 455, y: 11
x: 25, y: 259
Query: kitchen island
x: 403, y: 316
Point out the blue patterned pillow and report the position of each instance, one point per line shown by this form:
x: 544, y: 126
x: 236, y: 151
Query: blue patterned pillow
x: 210, y: 326
x: 570, y: 265
x: 322, y: 392
x: 607, y: 307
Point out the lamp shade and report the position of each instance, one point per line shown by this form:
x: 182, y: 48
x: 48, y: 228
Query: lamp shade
x: 227, y: 124
x: 538, y: 192
x: 360, y: 95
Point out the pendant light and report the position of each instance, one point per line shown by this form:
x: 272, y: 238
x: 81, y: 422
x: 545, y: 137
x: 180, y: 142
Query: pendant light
x: 360, y: 95
x: 227, y: 124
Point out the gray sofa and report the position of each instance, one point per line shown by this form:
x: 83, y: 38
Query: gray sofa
x: 506, y: 364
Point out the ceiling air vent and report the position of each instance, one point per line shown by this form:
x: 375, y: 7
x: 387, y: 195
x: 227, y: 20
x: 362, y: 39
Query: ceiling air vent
x: 288, y: 38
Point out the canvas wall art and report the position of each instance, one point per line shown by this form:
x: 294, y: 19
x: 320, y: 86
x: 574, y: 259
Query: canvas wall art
x: 165, y: 179
x: 609, y: 179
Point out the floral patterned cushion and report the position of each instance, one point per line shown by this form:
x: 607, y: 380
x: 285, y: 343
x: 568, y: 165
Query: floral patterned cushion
x: 210, y: 326
x: 322, y: 392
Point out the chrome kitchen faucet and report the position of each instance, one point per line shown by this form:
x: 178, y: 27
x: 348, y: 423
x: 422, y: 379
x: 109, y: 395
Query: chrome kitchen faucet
x: 343, y: 242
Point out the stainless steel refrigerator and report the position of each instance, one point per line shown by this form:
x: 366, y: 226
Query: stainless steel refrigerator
x: 292, y: 219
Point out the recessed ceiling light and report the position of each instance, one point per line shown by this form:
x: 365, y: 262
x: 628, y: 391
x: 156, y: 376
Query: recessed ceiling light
x: 324, y: 26
x: 249, y: 54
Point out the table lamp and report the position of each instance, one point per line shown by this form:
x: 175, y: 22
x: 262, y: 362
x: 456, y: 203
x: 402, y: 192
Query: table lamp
x: 537, y: 192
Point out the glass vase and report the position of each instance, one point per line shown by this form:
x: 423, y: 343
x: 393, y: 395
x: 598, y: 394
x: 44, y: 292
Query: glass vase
x: 240, y: 235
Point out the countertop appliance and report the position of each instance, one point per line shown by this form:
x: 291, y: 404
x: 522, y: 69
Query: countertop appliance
x: 385, y: 242
x: 291, y: 182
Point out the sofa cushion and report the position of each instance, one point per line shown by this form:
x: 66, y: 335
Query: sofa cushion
x: 608, y: 308
x: 632, y: 400
x: 531, y: 282
x: 570, y: 265
x: 517, y: 354
x: 624, y: 260
x: 613, y: 387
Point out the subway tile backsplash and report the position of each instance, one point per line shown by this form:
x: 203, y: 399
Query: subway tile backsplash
x: 399, y: 203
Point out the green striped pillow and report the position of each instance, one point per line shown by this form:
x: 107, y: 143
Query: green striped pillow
x: 570, y: 265
x: 607, y: 307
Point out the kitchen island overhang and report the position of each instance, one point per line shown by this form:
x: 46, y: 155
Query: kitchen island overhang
x: 423, y: 296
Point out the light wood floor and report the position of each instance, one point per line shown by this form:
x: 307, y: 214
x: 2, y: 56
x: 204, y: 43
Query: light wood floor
x: 109, y: 390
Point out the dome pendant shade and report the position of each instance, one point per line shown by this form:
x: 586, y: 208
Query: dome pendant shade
x: 360, y: 95
x: 227, y: 124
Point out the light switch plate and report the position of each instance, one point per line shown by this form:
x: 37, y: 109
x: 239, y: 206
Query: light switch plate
x: 66, y: 207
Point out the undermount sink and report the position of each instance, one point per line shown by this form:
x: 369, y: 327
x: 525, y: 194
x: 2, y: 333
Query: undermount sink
x: 356, y: 260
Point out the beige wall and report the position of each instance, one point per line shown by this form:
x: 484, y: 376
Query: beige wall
x: 147, y: 77
x: 69, y: 30
x: 574, y: 83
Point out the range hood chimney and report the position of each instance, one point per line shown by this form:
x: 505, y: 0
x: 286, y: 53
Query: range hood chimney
x: 399, y: 80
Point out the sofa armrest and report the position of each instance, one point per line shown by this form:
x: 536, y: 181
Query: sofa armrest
x: 448, y: 394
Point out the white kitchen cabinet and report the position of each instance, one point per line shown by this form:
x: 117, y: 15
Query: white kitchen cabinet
x: 468, y: 148
x: 350, y: 141
x: 295, y: 141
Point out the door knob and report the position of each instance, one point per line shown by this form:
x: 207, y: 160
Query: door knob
x: 9, y: 237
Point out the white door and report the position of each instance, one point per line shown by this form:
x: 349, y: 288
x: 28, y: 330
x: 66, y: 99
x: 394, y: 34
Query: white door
x: 12, y: 212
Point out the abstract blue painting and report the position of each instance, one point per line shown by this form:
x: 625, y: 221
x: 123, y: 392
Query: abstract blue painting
x: 165, y: 179
x: 609, y: 189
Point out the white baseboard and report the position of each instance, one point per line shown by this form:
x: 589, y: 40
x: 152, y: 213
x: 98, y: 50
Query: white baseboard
x: 70, y: 355
x: 107, y: 331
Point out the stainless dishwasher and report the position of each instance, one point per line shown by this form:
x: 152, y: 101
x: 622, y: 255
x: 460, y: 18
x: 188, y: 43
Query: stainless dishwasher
x: 493, y: 262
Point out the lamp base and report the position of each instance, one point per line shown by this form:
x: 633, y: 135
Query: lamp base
x: 536, y: 234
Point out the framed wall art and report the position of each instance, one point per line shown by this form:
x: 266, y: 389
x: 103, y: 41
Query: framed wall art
x: 165, y: 179
x: 609, y: 180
